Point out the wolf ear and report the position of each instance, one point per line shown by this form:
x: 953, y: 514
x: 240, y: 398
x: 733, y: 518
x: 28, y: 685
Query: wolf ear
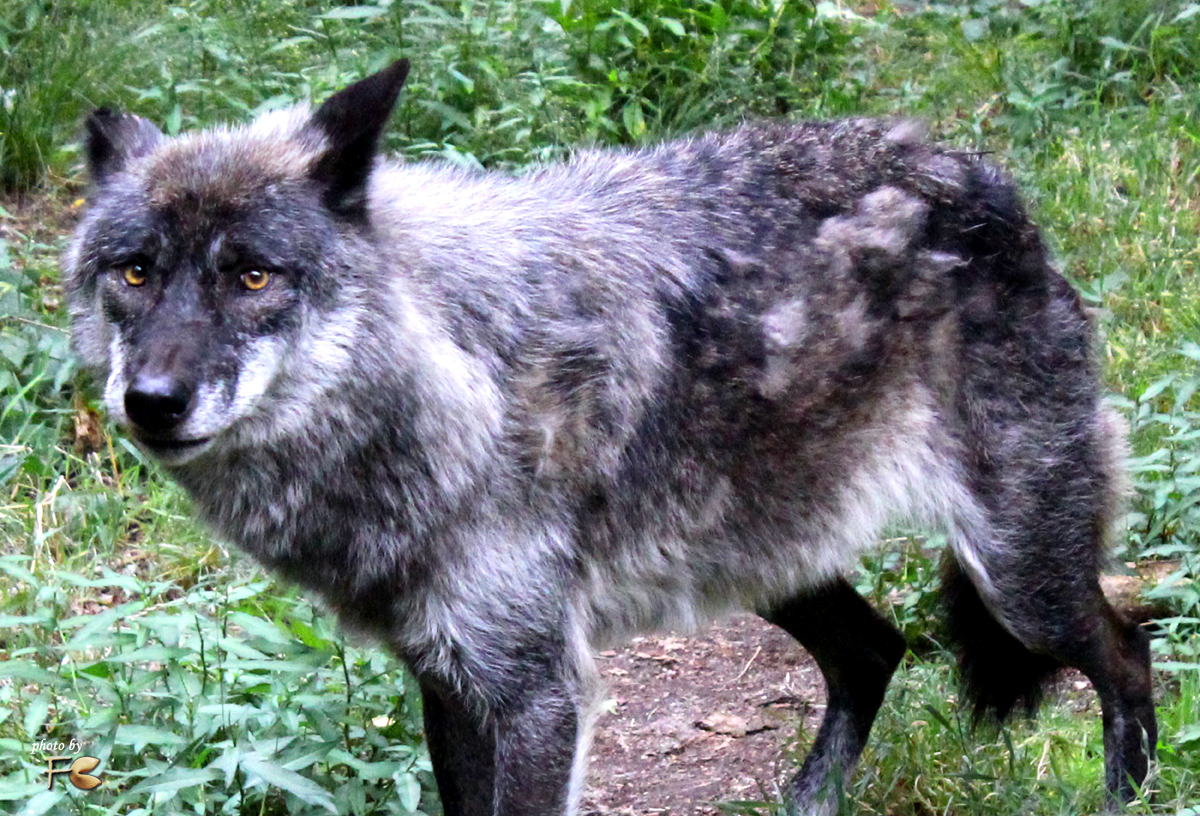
x: 352, y: 120
x: 112, y: 139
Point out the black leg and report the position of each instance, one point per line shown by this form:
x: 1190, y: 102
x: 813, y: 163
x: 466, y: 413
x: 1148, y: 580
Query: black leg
x: 1116, y: 658
x: 463, y: 751
x: 857, y: 651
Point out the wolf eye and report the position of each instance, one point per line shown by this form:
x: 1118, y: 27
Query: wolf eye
x: 133, y: 274
x: 255, y: 279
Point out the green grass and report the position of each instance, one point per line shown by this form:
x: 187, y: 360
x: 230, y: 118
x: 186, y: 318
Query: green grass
x: 209, y: 690
x: 935, y: 763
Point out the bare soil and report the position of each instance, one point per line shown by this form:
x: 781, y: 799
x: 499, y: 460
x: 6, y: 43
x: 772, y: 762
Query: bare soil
x: 689, y: 722
x: 716, y: 718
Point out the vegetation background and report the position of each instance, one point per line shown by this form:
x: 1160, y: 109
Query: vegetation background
x: 205, y: 689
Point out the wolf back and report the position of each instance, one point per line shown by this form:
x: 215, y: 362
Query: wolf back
x: 497, y: 421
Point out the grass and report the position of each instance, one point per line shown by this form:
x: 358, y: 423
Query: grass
x: 206, y: 689
x: 1047, y: 767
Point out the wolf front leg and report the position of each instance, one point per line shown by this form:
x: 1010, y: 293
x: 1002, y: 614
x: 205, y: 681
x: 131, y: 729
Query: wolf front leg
x: 521, y: 760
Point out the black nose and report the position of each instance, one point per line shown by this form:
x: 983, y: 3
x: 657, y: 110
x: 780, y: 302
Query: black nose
x: 157, y: 402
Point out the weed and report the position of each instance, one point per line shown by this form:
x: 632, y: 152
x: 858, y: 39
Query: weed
x: 226, y: 697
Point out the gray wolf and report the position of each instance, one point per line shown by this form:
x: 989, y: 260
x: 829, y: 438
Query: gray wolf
x: 497, y: 421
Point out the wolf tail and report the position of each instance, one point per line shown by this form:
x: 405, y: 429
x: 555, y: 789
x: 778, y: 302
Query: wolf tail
x: 998, y: 673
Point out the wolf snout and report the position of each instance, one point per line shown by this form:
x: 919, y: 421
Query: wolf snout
x: 158, y: 402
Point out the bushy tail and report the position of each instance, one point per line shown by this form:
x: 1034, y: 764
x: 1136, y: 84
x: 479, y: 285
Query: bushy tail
x: 998, y: 673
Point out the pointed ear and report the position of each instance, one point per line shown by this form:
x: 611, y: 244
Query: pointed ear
x: 352, y: 120
x: 113, y: 139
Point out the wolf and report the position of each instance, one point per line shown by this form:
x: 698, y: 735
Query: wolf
x: 498, y: 421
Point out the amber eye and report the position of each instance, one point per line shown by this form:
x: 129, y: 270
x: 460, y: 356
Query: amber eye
x: 133, y: 274
x: 255, y: 279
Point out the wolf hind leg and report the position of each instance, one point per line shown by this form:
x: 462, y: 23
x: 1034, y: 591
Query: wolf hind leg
x: 857, y: 652
x: 1037, y: 606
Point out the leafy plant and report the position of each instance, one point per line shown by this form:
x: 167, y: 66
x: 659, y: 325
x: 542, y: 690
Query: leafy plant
x: 35, y: 364
x: 193, y: 702
x: 1167, y: 522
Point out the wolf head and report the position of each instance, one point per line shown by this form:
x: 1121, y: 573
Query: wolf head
x: 203, y: 259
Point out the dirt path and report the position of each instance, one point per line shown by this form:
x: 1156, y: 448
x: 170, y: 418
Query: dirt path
x: 689, y: 721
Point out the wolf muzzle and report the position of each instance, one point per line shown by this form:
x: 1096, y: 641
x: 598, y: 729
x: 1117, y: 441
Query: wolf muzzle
x: 158, y: 402
x: 164, y: 384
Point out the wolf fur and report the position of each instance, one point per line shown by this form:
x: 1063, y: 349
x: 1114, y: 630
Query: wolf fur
x: 496, y: 421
